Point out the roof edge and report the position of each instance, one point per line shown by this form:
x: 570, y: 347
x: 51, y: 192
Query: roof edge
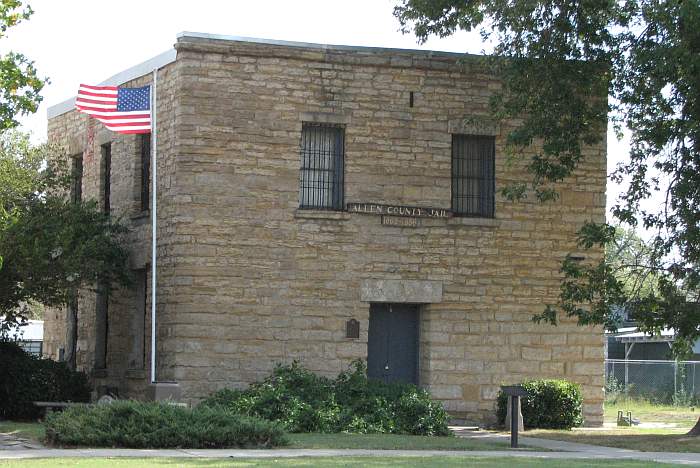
x: 313, y: 45
x: 122, y: 77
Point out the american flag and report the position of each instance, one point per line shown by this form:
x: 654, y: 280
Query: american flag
x: 122, y: 110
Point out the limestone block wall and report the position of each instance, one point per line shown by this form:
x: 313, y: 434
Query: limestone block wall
x: 262, y: 282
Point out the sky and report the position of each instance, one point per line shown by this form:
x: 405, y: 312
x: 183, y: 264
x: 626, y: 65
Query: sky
x: 80, y: 41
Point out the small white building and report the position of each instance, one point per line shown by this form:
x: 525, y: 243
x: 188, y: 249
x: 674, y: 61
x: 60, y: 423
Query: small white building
x: 30, y: 336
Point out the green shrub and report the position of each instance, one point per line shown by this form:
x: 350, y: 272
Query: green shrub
x: 549, y: 404
x: 27, y: 378
x: 135, y: 424
x: 304, y: 402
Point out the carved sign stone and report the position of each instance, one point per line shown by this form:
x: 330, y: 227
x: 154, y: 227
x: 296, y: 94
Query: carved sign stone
x: 397, y: 210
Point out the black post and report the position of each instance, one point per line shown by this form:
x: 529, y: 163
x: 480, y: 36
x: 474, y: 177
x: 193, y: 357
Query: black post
x: 514, y: 392
x: 514, y: 421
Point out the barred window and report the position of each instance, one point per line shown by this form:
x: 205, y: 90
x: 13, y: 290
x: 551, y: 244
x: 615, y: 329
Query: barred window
x: 106, y: 176
x: 473, y: 180
x: 139, y: 310
x: 322, y: 166
x: 76, y: 191
x: 145, y: 147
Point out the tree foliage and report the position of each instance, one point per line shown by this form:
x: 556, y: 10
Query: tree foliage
x: 51, y: 246
x: 631, y: 258
x: 559, y: 59
x: 20, y: 84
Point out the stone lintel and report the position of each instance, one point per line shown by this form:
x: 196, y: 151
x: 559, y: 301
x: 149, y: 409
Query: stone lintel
x: 103, y: 137
x: 75, y: 146
x: 474, y: 125
x: 325, y: 117
x: 398, y: 291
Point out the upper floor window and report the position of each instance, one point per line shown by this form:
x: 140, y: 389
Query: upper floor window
x: 106, y: 175
x: 145, y: 163
x: 322, y: 166
x: 473, y: 175
x: 76, y: 190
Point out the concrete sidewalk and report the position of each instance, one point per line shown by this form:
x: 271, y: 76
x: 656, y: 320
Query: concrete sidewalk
x: 680, y: 458
x: 556, y: 450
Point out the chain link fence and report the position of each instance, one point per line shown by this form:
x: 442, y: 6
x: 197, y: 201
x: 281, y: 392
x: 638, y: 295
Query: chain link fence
x: 663, y: 382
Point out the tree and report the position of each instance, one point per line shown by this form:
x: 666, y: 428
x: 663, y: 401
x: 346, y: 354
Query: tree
x: 52, y: 247
x: 557, y: 59
x: 19, y: 84
x: 628, y: 254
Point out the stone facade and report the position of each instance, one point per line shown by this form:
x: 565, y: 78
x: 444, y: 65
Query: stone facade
x: 246, y: 279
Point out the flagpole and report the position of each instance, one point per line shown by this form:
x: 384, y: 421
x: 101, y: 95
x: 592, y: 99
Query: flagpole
x: 154, y: 217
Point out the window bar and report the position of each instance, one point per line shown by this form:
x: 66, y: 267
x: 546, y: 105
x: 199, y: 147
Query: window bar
x: 323, y: 134
x: 455, y: 172
x: 145, y: 170
x: 317, y: 178
x: 458, y: 176
x: 317, y: 157
x: 302, y: 152
x: 107, y: 174
x: 341, y: 170
x: 455, y: 182
x: 307, y: 169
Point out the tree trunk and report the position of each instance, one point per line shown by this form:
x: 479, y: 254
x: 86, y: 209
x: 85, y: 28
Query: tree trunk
x: 695, y: 431
x: 71, y: 333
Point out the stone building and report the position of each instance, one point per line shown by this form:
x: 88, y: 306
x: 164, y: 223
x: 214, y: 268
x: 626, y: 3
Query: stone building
x: 327, y: 203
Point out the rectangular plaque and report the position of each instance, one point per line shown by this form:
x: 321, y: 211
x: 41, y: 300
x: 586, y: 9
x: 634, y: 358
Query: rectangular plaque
x: 400, y: 221
x: 396, y: 210
x: 352, y: 329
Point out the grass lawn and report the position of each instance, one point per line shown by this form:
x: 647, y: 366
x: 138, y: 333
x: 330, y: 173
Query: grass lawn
x: 389, y: 442
x: 645, y: 440
x: 325, y: 462
x: 647, y: 412
x: 635, y: 438
x: 27, y: 430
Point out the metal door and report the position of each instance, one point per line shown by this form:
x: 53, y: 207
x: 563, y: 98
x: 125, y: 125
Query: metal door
x: 392, y: 347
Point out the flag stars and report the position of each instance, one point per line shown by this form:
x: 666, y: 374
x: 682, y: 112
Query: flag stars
x: 133, y: 99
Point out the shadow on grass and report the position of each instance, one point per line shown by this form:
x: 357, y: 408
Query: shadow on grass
x: 645, y: 440
x: 389, y: 442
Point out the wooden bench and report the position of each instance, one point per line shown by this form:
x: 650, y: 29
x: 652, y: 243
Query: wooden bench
x: 50, y: 406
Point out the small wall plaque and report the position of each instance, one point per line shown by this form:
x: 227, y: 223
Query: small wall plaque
x: 352, y: 329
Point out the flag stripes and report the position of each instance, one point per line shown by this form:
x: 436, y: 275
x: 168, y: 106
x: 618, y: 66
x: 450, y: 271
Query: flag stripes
x: 122, y: 110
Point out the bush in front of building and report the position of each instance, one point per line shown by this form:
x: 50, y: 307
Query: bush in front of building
x: 25, y: 378
x: 137, y: 424
x: 304, y: 402
x: 549, y: 404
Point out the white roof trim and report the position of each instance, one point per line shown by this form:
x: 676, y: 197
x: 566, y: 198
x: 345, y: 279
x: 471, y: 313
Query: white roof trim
x: 666, y: 335
x: 129, y: 74
x: 312, y: 45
